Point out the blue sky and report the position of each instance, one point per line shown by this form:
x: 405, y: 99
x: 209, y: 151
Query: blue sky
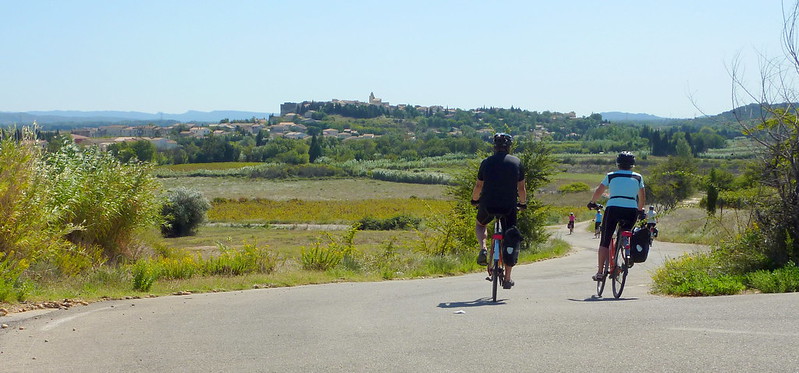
x: 585, y: 56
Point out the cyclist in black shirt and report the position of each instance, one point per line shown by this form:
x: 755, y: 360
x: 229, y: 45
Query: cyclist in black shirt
x: 500, y: 189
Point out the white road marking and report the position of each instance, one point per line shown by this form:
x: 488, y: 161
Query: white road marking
x: 728, y: 331
x: 56, y: 323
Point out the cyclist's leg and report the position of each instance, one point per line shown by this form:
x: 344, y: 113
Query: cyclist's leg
x: 480, y: 230
x: 607, y: 230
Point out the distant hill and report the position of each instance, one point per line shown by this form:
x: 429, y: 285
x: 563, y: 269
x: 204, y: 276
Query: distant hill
x: 618, y: 116
x: 88, y: 118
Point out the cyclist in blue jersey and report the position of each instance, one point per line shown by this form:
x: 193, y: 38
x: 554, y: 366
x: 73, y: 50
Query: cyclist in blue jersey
x: 597, y: 222
x: 625, y: 203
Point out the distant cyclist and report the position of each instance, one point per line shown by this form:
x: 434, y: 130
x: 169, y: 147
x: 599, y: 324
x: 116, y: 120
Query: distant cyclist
x: 597, y: 222
x: 626, y: 203
x: 651, y: 221
x: 571, y: 223
x: 651, y: 218
x: 499, y: 189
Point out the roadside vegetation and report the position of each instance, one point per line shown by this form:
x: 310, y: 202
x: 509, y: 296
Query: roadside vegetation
x: 762, y: 252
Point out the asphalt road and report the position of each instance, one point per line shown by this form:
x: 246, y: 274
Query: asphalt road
x: 549, y: 322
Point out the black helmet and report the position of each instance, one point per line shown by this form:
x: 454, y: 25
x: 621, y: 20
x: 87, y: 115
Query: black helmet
x: 502, y: 140
x: 625, y: 159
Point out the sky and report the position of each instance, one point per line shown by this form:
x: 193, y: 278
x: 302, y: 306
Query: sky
x: 665, y: 58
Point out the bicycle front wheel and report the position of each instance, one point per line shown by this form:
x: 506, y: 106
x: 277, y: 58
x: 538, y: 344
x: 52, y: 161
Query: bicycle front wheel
x: 620, y: 271
x: 600, y: 285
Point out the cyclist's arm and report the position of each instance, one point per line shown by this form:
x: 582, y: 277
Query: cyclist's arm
x: 521, y: 189
x: 641, y: 199
x: 598, y: 192
x: 478, y: 188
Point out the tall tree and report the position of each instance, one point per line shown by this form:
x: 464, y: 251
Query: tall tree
x: 315, y: 150
x: 777, y: 133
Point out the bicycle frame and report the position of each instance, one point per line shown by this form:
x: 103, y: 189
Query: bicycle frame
x: 497, y: 238
x: 626, y: 237
x: 496, y: 269
x: 614, y: 269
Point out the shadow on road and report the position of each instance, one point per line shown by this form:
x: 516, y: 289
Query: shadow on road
x: 474, y: 303
x: 594, y: 298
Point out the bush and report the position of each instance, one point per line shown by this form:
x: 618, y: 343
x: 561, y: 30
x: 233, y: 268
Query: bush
x: 785, y: 279
x: 183, y: 212
x: 399, y: 222
x: 319, y: 258
x: 103, y: 201
x: 574, y: 188
x: 234, y: 262
x: 695, y: 275
x: 63, y: 207
x: 11, y: 286
x: 249, y: 258
x: 338, y: 250
x: 145, y: 272
x: 27, y: 218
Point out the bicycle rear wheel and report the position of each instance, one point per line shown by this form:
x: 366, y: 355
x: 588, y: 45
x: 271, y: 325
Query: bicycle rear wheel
x: 495, y: 280
x: 619, y: 275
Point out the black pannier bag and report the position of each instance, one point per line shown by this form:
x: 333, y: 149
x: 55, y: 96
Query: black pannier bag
x: 639, y: 245
x: 511, y: 243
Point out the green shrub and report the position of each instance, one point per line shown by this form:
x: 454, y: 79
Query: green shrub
x: 282, y: 171
x: 234, y: 262
x: 785, y: 279
x: 27, y: 218
x: 335, y: 252
x: 179, y: 268
x: 76, y: 260
x: 319, y: 258
x: 183, y: 212
x: 103, y: 201
x: 574, y: 187
x: 11, y: 285
x: 695, y: 275
x: 399, y: 222
x: 250, y: 258
x: 145, y: 272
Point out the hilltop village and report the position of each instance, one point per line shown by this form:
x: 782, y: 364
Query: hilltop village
x: 293, y: 123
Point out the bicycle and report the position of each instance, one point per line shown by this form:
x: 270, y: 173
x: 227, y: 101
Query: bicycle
x: 618, y: 263
x: 496, y: 269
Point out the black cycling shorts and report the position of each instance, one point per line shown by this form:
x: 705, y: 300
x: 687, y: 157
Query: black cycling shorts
x: 485, y: 215
x: 613, y: 215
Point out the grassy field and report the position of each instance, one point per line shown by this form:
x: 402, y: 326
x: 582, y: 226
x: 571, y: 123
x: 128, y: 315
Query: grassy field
x: 289, y: 242
x: 692, y: 225
x: 323, y: 212
x: 311, y: 190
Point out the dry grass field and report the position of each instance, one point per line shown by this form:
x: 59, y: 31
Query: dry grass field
x: 311, y: 190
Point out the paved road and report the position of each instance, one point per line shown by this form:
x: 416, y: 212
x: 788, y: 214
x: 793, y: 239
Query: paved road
x: 548, y: 322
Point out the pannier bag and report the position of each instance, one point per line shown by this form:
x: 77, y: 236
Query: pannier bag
x: 639, y: 245
x: 511, y: 243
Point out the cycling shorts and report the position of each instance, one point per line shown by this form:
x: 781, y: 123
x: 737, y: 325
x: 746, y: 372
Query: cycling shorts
x: 486, y: 214
x: 614, y: 215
